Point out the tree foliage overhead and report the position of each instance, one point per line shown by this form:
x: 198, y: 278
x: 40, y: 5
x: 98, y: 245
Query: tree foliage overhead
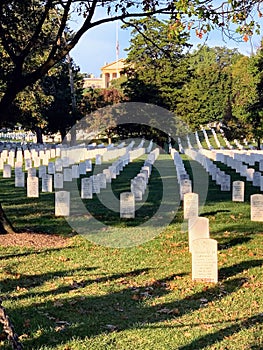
x: 155, y: 63
x: 32, y: 27
x: 207, y: 95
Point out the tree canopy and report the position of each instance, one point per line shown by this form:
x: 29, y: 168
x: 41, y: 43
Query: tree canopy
x: 35, y: 35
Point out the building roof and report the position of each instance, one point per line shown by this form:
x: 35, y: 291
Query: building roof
x: 119, y: 64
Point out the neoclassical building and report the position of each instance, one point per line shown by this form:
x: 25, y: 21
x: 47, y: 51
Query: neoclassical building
x: 108, y: 72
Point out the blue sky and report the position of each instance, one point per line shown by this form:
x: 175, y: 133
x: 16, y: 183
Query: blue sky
x: 98, y: 46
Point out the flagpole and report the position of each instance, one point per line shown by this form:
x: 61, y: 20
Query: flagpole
x: 117, y: 47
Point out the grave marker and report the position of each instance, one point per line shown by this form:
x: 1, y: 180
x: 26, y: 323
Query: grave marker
x: 20, y: 179
x: 86, y: 188
x: 33, y: 187
x: 256, y: 207
x: 67, y: 173
x: 238, y: 191
x: 127, y: 205
x: 7, y: 171
x: 58, y: 180
x: 47, y: 183
x: 204, y: 260
x: 191, y: 205
x: 62, y: 203
x: 198, y: 228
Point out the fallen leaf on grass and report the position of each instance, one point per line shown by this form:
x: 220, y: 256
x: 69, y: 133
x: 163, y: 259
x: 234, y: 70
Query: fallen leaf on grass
x: 167, y: 311
x: 111, y: 327
x: 27, y: 323
x: 61, y: 326
x: 63, y: 258
x: 58, y: 303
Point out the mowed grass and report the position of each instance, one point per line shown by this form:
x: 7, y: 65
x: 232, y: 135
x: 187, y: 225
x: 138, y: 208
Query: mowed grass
x: 88, y: 296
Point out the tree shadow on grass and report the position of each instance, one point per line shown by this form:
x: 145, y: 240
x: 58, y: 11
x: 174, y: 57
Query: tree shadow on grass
x: 34, y: 252
x: 233, y: 242
x: 218, y: 336
x: 32, y: 281
x: 88, y: 316
x: 68, y: 315
x: 226, y: 272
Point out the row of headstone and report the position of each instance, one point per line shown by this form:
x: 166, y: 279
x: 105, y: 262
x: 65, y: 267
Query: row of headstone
x: 181, y: 149
x: 136, y: 153
x: 216, y: 138
x: 207, y: 139
x: 203, y: 249
x: 236, y: 164
x: 138, y: 187
x: 150, y: 146
x: 183, y: 179
x: 36, y: 156
x: 238, y: 144
x: 238, y: 187
x: 140, y: 181
x: 95, y: 183
x: 92, y: 184
x: 188, y: 141
x: 199, y: 145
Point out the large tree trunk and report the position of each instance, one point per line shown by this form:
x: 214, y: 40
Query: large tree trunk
x: 39, y: 135
x: 63, y: 134
x: 5, y: 224
x: 258, y: 143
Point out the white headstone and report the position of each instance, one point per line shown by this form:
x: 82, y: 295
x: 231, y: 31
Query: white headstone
x: 225, y: 183
x: 185, y: 187
x: 62, y: 203
x: 95, y: 184
x: 82, y: 168
x: 31, y: 172
x: 86, y: 188
x: 204, y: 260
x: 20, y: 179
x: 51, y: 168
x: 75, y: 171
x: 52, y: 153
x: 136, y: 191
x: 102, y: 180
x: 65, y: 162
x: 28, y: 163
x: 58, y: 165
x: 45, y: 160
x: 67, y: 172
x: 88, y: 165
x: 42, y: 170
x: 108, y: 175
x: 127, y: 205
x: 198, y: 228
x: 47, y: 183
x: 191, y: 205
x: 238, y: 191
x: 58, y: 180
x: 98, y: 159
x: 256, y: 207
x: 7, y: 171
x: 32, y: 187
x: 250, y: 174
x: 256, y: 178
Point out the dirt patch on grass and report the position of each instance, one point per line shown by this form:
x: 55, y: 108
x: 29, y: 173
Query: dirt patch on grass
x: 34, y: 240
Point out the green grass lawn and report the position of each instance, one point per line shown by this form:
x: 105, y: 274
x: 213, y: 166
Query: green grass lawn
x: 89, y: 296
